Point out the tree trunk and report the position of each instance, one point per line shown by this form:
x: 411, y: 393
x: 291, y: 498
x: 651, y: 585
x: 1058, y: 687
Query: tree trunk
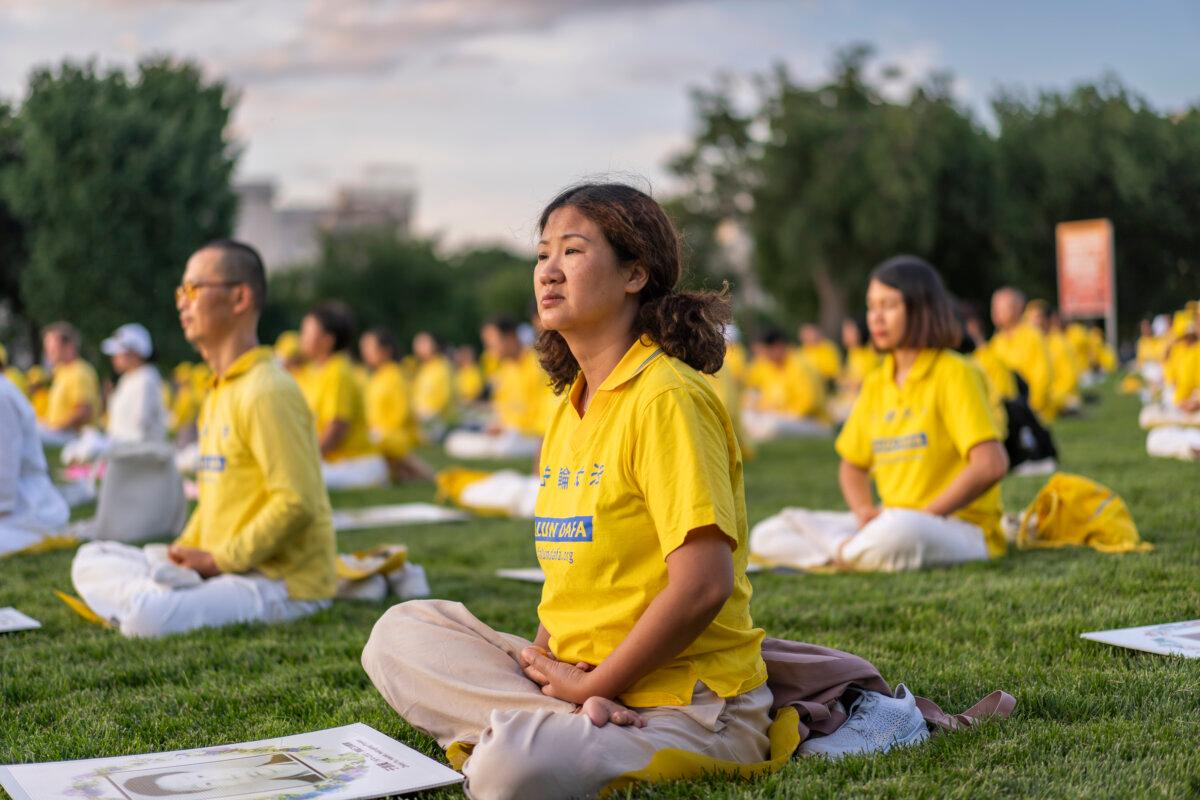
x: 831, y: 296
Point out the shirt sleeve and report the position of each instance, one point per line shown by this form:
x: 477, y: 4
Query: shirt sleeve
x: 279, y: 432
x: 681, y: 462
x: 964, y: 410
x: 854, y: 442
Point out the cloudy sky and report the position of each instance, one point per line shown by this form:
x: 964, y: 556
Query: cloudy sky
x: 495, y: 104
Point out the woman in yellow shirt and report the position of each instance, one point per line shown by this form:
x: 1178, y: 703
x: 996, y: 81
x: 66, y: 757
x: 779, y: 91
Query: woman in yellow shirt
x: 646, y: 641
x: 785, y: 395
x: 390, y: 417
x: 923, y: 430
x: 349, y: 460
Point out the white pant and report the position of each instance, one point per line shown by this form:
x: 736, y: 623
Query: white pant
x: 765, y: 426
x: 482, y: 445
x: 898, y: 539
x: 1159, y: 415
x: 1174, y: 442
x: 145, y: 595
x: 367, y: 472
x: 507, y: 490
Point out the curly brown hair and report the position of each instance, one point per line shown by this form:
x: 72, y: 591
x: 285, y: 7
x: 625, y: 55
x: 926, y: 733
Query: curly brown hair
x: 687, y: 325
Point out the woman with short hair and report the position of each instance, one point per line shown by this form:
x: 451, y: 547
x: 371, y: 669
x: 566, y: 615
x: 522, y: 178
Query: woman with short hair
x: 923, y: 431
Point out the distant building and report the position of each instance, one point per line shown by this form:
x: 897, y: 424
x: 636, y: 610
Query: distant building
x: 289, y: 236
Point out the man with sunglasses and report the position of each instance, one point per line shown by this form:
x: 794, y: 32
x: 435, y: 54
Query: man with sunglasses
x: 260, y: 544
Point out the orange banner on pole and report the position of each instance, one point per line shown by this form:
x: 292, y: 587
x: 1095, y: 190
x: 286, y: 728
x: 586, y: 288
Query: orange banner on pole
x: 1085, y: 269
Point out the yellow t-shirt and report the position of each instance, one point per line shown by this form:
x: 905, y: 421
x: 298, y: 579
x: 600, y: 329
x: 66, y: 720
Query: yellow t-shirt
x: 1151, y: 349
x: 541, y: 400
x: 333, y: 394
x: 262, y: 501
x: 432, y: 388
x: 468, y: 383
x: 1000, y: 382
x: 390, y: 412
x: 1023, y: 349
x: 72, y: 385
x: 735, y: 360
x: 824, y: 357
x: 793, y: 388
x: 859, y: 363
x: 1064, y: 386
x: 510, y: 396
x: 1182, y: 370
x: 653, y: 459
x: 914, y: 438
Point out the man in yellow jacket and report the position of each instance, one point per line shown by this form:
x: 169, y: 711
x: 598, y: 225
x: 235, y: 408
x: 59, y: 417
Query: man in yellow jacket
x: 1022, y: 348
x: 74, y: 399
x: 259, y: 546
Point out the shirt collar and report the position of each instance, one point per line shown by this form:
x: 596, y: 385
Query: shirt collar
x: 920, y: 368
x: 242, y: 364
x: 639, y: 356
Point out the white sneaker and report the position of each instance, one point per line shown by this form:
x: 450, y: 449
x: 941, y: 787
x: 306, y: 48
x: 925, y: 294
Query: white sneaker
x: 1043, y: 466
x: 877, y: 723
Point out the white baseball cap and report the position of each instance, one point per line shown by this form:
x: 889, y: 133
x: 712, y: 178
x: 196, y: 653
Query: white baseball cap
x: 131, y: 338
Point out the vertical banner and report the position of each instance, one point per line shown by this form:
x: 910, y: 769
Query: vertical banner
x: 1087, y: 272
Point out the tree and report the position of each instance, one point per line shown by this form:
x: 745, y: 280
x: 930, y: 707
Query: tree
x: 120, y: 179
x: 1100, y: 150
x: 403, y: 284
x: 12, y: 238
x: 831, y: 180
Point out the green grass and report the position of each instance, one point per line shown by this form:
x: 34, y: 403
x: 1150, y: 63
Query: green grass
x: 1091, y: 720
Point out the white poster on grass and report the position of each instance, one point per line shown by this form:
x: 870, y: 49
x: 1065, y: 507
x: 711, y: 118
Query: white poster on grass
x: 13, y: 620
x: 1171, y: 638
x: 354, y: 762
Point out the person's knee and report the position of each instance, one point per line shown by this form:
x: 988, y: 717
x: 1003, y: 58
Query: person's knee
x: 147, y: 617
x: 892, y: 542
x: 503, y: 766
x: 399, y: 635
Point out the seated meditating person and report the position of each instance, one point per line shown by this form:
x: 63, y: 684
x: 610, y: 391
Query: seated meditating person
x: 511, y: 429
x: 73, y: 399
x: 923, y: 430
x: 433, y: 387
x: 1152, y: 347
x: 390, y: 416
x: 821, y: 353
x: 259, y: 545
x: 1175, y: 422
x: 785, y: 395
x: 31, y: 509
x: 1065, y: 369
x: 468, y: 376
x: 645, y: 641
x: 1022, y: 348
x: 136, y: 412
x: 349, y: 460
x: 860, y: 360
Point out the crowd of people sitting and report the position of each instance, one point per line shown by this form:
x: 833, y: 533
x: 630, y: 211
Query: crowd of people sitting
x: 637, y: 404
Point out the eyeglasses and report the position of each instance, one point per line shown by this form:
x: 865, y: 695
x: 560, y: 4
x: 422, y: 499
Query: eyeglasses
x: 192, y: 290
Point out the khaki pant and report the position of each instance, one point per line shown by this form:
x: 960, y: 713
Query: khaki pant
x: 458, y: 680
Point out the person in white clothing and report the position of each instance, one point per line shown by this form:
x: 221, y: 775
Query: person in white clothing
x: 30, y: 507
x: 135, y: 410
x: 136, y: 413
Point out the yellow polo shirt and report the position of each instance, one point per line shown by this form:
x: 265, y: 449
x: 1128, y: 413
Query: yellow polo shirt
x: 1023, y: 349
x: 17, y: 378
x: 71, y: 385
x: 262, y: 502
x: 541, y: 400
x: 793, y: 388
x: 859, y: 363
x: 914, y: 438
x: 390, y: 412
x: 1151, y: 349
x: 333, y: 394
x: 1000, y: 382
x: 1182, y: 369
x: 432, y: 388
x: 510, y: 396
x: 468, y: 383
x: 1064, y: 386
x: 653, y: 459
x: 824, y: 357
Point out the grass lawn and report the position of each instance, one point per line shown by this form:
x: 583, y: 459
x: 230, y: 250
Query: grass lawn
x: 1091, y: 720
